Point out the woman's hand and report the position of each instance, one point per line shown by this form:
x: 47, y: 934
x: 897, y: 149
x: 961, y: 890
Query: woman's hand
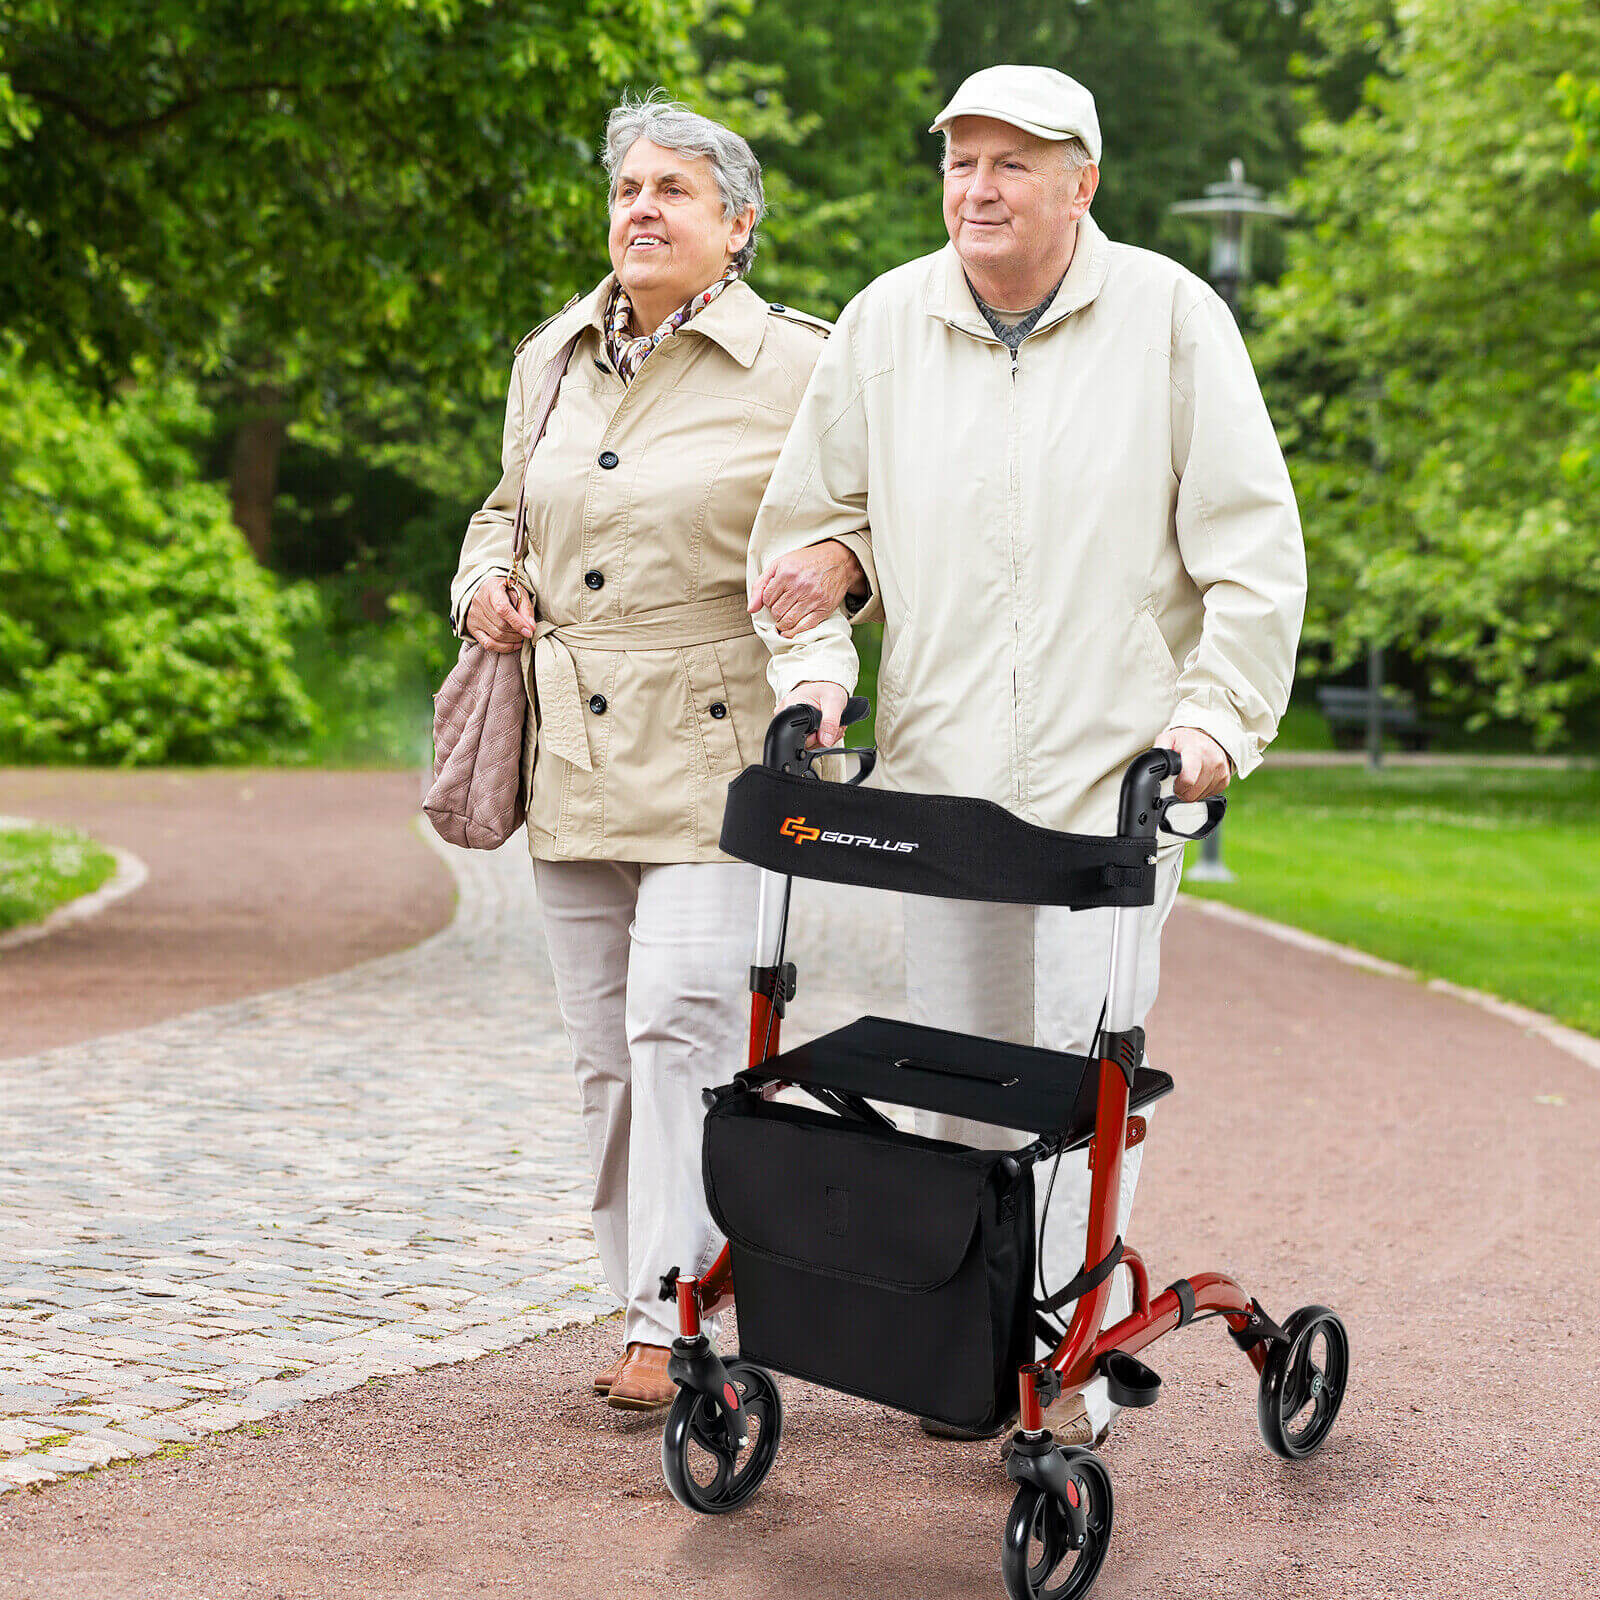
x: 807, y: 585
x: 501, y: 616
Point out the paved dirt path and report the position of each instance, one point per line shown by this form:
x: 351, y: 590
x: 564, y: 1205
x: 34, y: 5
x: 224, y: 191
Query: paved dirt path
x: 1337, y: 1136
x: 258, y: 879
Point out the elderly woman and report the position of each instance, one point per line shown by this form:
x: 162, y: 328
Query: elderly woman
x: 648, y: 679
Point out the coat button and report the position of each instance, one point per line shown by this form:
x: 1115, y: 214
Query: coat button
x: 601, y: 365
x: 597, y: 704
x: 718, y: 710
x: 595, y: 580
x: 777, y: 307
x: 608, y: 459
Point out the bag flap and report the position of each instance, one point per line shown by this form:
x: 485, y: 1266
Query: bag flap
x: 818, y: 1192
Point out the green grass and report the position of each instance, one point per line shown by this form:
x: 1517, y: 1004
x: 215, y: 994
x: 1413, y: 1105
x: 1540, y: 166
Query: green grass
x: 41, y: 868
x: 1489, y: 877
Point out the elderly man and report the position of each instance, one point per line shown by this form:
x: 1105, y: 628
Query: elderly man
x: 1043, y: 458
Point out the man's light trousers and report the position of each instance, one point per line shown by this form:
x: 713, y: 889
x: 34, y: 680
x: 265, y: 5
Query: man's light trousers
x: 652, y: 968
x: 1034, y: 975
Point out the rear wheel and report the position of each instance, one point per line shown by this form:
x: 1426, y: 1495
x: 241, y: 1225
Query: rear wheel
x: 706, y: 1469
x: 1303, y: 1383
x: 1041, y: 1558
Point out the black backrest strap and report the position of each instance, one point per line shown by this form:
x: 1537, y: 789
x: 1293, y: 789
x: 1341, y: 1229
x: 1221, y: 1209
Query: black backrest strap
x: 947, y: 845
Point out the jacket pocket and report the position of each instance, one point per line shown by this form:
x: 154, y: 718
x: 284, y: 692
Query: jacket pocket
x: 711, y: 711
x: 891, y: 675
x: 1154, y: 645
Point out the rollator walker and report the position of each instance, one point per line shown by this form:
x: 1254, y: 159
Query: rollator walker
x: 902, y: 1269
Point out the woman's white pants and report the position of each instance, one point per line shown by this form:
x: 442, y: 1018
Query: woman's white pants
x: 1034, y: 975
x: 652, y: 968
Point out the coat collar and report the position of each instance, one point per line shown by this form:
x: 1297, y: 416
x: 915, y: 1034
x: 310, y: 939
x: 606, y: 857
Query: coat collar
x: 949, y: 298
x: 736, y: 319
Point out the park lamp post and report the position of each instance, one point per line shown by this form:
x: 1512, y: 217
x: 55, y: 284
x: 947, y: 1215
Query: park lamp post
x: 1229, y: 207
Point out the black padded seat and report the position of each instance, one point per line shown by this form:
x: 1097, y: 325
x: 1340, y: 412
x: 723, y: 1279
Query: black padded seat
x: 956, y: 1074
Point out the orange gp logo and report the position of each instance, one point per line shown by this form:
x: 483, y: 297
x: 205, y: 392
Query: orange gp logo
x: 795, y: 828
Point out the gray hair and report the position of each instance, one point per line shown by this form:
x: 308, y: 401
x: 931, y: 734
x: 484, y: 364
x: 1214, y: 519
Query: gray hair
x: 1074, y: 151
x: 676, y: 127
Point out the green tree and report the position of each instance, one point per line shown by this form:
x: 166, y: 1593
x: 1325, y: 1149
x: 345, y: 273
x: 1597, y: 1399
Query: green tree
x: 833, y: 96
x: 327, y: 211
x: 135, y: 627
x: 1431, y: 357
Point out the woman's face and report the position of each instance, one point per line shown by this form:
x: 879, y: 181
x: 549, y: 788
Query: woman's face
x: 669, y: 238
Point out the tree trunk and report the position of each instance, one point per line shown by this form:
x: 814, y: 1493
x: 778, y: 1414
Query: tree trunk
x: 256, y: 447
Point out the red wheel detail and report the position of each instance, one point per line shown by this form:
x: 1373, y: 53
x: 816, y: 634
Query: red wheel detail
x: 731, y: 1395
x: 1072, y: 1493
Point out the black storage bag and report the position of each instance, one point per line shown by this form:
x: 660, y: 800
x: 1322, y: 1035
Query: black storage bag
x: 875, y: 1262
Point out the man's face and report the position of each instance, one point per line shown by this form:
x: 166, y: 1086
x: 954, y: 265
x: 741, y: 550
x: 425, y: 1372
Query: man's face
x: 1009, y: 195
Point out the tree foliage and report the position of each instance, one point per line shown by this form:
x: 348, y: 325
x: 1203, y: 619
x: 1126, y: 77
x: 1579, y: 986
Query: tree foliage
x: 833, y: 96
x: 135, y: 627
x: 1432, y: 353
x: 326, y: 200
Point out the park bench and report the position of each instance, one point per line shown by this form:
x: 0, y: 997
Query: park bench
x: 1348, y: 710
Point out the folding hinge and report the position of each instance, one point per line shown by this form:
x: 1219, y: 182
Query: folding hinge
x: 778, y: 984
x: 1126, y: 1049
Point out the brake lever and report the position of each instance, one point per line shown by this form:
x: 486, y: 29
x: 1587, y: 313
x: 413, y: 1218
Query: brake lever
x: 867, y: 755
x: 1215, y: 806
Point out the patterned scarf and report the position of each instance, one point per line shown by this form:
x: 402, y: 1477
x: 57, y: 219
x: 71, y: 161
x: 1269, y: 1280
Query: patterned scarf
x: 628, y: 354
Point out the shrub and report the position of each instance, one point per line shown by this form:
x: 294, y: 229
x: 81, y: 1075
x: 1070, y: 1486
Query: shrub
x: 135, y: 625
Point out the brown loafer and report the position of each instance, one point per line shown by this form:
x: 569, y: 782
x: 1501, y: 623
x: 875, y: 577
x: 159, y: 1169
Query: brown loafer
x: 642, y: 1383
x: 604, y: 1380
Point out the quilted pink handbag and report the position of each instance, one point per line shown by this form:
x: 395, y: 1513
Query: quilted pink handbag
x: 480, y: 713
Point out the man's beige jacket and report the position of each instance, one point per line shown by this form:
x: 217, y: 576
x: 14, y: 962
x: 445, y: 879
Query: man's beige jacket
x: 1073, y: 550
x: 647, y: 678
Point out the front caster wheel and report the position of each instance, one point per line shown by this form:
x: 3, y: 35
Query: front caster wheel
x: 1044, y: 1557
x: 1303, y: 1383
x: 705, y: 1469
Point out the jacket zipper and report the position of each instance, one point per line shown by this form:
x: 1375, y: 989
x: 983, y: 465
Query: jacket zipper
x: 1013, y: 510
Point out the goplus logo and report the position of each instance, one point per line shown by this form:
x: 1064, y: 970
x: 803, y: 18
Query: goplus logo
x: 797, y: 829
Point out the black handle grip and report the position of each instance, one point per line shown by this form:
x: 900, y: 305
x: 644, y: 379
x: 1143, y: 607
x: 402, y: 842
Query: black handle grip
x: 788, y: 731
x: 1139, y: 809
x: 786, y: 738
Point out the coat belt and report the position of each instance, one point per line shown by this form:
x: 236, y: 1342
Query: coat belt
x: 563, y: 731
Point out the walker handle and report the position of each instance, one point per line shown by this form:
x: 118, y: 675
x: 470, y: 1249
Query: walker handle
x: 1139, y: 810
x: 788, y: 731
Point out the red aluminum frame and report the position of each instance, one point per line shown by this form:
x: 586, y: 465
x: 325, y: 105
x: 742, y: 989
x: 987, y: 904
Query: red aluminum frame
x: 1076, y: 1358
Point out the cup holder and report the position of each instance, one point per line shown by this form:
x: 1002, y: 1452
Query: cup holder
x: 1129, y: 1382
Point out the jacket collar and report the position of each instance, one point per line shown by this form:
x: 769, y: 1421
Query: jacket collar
x: 736, y: 319
x: 949, y: 298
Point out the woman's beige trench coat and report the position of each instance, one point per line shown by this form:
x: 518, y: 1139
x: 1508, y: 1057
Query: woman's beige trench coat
x: 648, y: 681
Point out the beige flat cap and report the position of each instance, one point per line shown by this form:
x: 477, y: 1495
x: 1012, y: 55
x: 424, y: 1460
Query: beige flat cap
x: 1039, y: 100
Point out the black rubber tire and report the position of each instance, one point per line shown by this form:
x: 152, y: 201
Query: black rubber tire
x: 1036, y: 1560
x: 694, y: 1424
x: 1292, y: 1381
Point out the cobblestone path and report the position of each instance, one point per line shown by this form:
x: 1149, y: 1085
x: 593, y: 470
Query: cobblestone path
x: 220, y: 1216
x: 256, y: 1204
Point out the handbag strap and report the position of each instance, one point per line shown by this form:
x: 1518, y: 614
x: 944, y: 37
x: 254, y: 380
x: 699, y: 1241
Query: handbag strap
x: 544, y: 403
